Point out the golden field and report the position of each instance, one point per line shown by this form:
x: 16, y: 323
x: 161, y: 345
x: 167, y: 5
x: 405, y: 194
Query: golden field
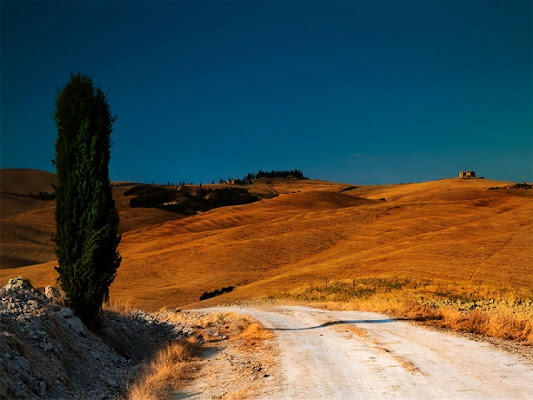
x: 449, y: 230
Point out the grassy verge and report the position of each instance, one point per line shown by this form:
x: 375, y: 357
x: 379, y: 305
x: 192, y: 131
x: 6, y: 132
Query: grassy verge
x: 501, y: 312
x: 252, y: 333
x: 178, y: 364
x: 165, y: 372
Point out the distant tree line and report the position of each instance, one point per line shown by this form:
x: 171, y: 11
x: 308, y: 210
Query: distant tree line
x: 248, y: 178
x: 44, y: 196
x: 186, y: 200
x: 295, y: 173
x: 522, y: 185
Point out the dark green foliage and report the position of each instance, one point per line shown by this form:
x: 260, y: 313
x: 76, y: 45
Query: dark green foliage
x: 295, y: 173
x: 43, y: 196
x: 217, y: 292
x: 229, y: 196
x: 150, y: 196
x: 86, y: 218
x: 522, y: 185
x: 185, y: 200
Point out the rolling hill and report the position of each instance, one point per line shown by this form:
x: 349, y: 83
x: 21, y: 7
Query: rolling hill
x: 27, y: 224
x: 303, y: 231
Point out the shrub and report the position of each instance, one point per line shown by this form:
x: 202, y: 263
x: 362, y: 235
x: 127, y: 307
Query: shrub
x: 217, y: 292
x: 522, y: 185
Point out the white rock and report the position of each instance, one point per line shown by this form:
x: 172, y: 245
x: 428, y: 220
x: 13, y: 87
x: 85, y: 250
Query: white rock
x: 52, y: 292
x: 111, y: 382
x: 32, y: 303
x: 66, y: 316
x: 18, y: 283
x: 65, y: 312
x: 76, y: 324
x: 47, y: 347
x: 42, y: 388
x: 23, y: 363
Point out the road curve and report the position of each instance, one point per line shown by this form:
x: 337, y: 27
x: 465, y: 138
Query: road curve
x: 360, y: 355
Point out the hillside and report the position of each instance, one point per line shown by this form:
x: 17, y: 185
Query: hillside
x: 311, y: 231
x: 25, y: 181
x: 27, y: 224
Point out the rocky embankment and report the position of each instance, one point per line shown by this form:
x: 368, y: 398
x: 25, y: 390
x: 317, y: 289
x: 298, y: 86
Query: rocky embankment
x: 47, y: 352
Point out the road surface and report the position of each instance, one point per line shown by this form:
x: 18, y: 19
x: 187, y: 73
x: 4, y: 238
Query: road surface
x: 360, y: 355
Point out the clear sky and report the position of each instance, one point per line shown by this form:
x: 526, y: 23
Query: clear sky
x: 355, y: 92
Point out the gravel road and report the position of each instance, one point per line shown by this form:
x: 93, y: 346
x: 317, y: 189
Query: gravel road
x: 350, y: 355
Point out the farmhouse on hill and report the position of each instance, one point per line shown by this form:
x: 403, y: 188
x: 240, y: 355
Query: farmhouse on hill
x: 235, y: 181
x: 467, y: 174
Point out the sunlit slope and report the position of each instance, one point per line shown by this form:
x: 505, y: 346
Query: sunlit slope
x: 448, y: 229
x: 451, y: 229
x: 27, y: 224
x: 24, y: 181
x: 26, y: 231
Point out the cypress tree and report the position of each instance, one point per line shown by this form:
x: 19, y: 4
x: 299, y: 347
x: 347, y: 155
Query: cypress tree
x: 86, y: 217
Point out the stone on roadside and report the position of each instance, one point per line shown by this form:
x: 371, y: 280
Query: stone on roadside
x: 111, y: 382
x: 52, y: 293
x: 66, y: 316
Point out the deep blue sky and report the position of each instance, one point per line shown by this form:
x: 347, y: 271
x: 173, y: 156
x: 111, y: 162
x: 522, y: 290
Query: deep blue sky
x: 355, y: 92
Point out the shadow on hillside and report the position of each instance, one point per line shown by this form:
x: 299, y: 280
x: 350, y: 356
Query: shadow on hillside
x: 137, y: 336
x: 331, y: 323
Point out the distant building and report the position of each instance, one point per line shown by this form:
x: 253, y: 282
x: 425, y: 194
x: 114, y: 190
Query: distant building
x: 236, y: 182
x: 467, y: 174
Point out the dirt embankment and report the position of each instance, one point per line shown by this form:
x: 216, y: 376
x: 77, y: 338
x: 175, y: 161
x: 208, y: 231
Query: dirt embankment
x: 47, y: 352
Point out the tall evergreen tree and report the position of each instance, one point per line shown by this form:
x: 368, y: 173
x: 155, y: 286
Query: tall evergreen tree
x: 86, y: 217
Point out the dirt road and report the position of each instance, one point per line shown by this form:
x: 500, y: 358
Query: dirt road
x: 350, y: 355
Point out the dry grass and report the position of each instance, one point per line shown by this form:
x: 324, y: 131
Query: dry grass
x: 253, y: 332
x: 247, y: 331
x: 501, y: 312
x: 172, y: 366
x: 449, y: 229
x: 119, y: 306
x: 223, y: 377
x: 167, y: 370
